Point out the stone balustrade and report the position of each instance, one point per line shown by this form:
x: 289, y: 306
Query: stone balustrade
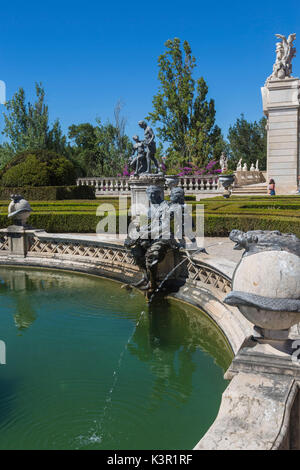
x: 107, y: 256
x: 107, y: 186
x: 121, y: 185
x: 245, y: 178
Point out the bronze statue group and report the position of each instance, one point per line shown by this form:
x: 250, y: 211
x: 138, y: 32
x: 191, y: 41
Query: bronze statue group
x: 164, y: 230
x: 144, y: 151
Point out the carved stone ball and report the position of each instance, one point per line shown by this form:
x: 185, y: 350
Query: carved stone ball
x: 19, y: 209
x: 274, y: 275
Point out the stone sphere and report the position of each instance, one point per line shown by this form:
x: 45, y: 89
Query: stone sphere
x: 19, y: 209
x: 272, y: 274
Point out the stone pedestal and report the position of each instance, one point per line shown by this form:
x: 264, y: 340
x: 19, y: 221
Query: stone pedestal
x: 281, y: 106
x: 265, y: 358
x: 19, y: 239
x: 260, y: 407
x: 139, y: 185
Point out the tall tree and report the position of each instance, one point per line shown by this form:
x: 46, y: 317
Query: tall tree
x: 184, y: 117
x: 102, y: 149
x: 248, y: 140
x: 27, y: 125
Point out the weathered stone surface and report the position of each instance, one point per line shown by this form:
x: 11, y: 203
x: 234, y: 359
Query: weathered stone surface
x: 270, y: 274
x: 252, y: 415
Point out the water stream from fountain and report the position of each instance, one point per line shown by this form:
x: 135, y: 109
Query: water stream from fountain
x: 97, y: 433
x: 186, y: 258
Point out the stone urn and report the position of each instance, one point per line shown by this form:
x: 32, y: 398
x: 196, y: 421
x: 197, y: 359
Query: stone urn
x: 226, y: 181
x: 266, y: 282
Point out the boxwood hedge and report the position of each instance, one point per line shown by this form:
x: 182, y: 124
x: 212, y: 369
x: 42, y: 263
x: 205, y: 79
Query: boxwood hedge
x: 214, y: 225
x: 49, y: 193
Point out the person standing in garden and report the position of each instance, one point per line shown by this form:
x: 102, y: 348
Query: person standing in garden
x: 271, y: 187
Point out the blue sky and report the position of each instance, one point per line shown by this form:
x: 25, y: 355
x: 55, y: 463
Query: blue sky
x: 90, y: 54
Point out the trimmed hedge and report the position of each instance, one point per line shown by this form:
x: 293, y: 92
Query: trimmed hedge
x: 49, y: 193
x: 61, y: 223
x: 214, y: 225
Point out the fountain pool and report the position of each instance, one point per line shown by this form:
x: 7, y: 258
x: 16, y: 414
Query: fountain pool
x: 88, y: 367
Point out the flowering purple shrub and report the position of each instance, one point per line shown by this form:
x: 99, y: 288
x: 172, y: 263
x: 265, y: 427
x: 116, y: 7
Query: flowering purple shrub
x: 125, y: 172
x: 193, y: 170
x: 163, y: 166
x: 212, y: 168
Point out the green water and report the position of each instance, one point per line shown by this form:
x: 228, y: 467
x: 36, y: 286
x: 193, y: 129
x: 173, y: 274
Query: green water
x: 86, y: 369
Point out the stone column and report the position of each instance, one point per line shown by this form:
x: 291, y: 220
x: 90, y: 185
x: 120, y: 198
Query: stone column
x: 281, y: 106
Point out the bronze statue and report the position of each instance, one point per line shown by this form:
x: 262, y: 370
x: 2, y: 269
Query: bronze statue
x: 149, y: 141
x: 139, y: 161
x: 154, y: 239
x: 157, y: 237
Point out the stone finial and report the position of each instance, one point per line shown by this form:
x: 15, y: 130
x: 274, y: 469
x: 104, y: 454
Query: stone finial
x: 285, y: 52
x: 19, y: 209
x: 256, y: 166
x: 266, y: 286
x: 245, y: 168
x: 252, y: 168
x: 239, y: 165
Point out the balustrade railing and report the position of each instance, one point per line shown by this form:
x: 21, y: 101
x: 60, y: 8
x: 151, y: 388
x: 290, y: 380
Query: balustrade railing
x: 107, y: 256
x: 121, y: 185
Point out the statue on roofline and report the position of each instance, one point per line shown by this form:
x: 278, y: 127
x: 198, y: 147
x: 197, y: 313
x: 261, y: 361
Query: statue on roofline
x: 285, y: 52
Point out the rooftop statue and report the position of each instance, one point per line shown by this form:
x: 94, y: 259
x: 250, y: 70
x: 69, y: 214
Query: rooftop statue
x: 285, y: 52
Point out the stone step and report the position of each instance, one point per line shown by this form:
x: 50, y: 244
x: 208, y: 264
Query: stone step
x: 251, y: 190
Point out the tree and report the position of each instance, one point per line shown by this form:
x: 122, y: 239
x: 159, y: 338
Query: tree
x: 103, y: 149
x: 184, y: 116
x: 6, y: 154
x: 27, y: 125
x: 248, y: 140
x: 38, y: 168
x: 84, y: 152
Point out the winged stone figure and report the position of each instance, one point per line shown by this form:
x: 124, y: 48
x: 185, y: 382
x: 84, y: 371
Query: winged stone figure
x: 285, y: 52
